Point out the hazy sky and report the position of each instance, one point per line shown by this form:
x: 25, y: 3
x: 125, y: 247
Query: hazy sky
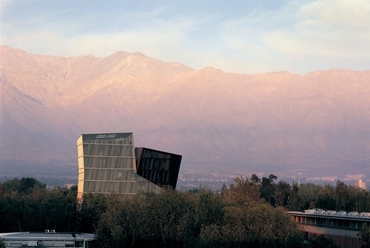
x: 234, y: 36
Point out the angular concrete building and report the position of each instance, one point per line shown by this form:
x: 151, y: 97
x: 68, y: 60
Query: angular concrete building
x: 109, y: 163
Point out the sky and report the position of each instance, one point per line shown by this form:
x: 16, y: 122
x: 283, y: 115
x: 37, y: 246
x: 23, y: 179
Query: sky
x: 240, y: 36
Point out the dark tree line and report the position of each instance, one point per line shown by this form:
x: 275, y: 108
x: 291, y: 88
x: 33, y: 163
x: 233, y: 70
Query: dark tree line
x: 249, y: 213
x: 340, y: 197
x: 26, y: 205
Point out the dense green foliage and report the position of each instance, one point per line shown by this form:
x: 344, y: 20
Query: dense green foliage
x: 26, y: 205
x: 340, y: 198
x: 249, y: 213
x: 365, y: 235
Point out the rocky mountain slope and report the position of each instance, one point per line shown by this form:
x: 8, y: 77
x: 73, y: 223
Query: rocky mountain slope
x: 273, y: 123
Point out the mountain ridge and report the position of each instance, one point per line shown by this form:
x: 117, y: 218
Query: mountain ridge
x: 271, y: 122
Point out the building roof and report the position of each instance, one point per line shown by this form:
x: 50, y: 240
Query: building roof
x: 332, y: 214
x: 46, y: 236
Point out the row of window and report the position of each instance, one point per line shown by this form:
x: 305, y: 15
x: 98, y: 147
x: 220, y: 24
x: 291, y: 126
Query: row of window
x: 159, y: 164
x: 160, y: 177
x: 109, y: 187
x: 120, y: 138
x: 108, y: 150
x: 155, y: 154
x: 111, y: 174
x: 133, y: 187
x: 340, y: 223
x: 108, y: 162
x: 47, y: 243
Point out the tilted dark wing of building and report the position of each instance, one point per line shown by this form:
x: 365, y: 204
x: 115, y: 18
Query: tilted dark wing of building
x: 161, y: 168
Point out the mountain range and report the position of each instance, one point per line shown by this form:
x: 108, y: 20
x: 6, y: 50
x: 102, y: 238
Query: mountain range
x: 316, y: 124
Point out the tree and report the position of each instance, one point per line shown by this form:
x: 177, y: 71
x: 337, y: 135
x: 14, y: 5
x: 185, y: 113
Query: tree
x: 29, y: 183
x: 12, y: 212
x: 244, y: 193
x: 304, y: 196
x: 326, y: 198
x: 319, y: 241
x: 168, y: 219
x: 268, y: 189
x: 255, y: 179
x: 363, y: 201
x: 342, y: 197
x: 237, y: 217
x: 234, y: 227
x: 11, y: 185
x: 208, y: 208
x: 111, y: 227
x: 59, y: 206
x: 22, y: 185
x: 270, y: 227
x: 364, y: 235
x: 294, y: 203
x: 2, y: 244
x: 90, y: 212
x: 26, y: 205
x: 230, y: 232
x: 210, y: 236
x: 282, y: 193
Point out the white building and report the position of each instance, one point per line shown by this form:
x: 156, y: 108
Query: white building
x: 49, y: 238
x: 360, y: 184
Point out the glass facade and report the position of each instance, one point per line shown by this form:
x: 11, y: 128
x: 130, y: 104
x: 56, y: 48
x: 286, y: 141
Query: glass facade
x: 161, y: 168
x: 109, y: 163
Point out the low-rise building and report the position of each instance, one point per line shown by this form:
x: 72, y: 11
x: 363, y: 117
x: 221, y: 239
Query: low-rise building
x: 342, y: 227
x: 49, y: 238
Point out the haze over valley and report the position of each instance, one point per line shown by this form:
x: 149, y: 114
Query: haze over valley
x: 315, y: 124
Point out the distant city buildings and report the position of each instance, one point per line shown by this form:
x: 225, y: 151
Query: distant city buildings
x: 360, y: 184
x: 69, y: 185
x: 325, y: 179
x: 109, y: 163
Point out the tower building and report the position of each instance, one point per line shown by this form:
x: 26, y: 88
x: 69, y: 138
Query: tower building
x: 109, y: 163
